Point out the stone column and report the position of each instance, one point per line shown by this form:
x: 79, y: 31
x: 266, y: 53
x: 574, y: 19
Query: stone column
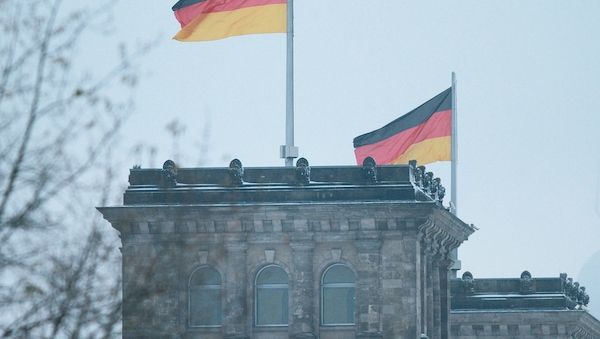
x: 301, y: 287
x: 368, y: 290
x: 234, y: 311
x: 444, y: 276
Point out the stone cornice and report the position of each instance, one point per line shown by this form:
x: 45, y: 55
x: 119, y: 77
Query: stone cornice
x: 266, y: 218
x: 439, y: 231
x: 442, y: 232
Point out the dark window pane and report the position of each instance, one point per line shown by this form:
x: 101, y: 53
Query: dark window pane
x: 338, y: 305
x: 272, y: 306
x: 205, y: 306
x: 338, y: 274
x: 272, y: 275
x: 205, y: 276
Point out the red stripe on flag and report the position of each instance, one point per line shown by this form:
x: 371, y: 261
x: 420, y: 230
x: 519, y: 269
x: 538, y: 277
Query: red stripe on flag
x: 189, y: 13
x: 388, y: 150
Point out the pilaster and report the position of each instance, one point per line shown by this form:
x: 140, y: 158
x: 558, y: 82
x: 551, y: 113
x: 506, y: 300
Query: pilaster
x: 235, y: 309
x: 368, y: 291
x: 444, y: 277
x: 436, y: 332
x: 302, y: 319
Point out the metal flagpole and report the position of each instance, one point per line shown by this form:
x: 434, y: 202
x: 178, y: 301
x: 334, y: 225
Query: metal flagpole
x: 454, y: 160
x: 289, y: 151
x: 454, y: 157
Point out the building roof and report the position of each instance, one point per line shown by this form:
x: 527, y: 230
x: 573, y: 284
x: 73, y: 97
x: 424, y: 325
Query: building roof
x: 300, y: 184
x: 524, y: 293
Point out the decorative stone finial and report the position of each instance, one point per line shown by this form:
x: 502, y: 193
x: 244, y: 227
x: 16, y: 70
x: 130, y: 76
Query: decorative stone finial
x: 303, y: 171
x: 427, y: 180
x: 168, y: 175
x: 570, y: 289
x: 585, y: 300
x: 236, y: 172
x: 370, y: 170
x: 419, y: 173
x: 441, y: 193
x: 468, y: 283
x: 435, y: 183
x: 527, y: 286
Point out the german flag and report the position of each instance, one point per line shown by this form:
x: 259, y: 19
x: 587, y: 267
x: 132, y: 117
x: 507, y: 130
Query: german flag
x: 423, y: 134
x: 203, y: 20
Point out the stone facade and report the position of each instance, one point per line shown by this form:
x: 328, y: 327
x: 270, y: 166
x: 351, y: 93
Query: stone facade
x: 524, y: 307
x: 385, y: 224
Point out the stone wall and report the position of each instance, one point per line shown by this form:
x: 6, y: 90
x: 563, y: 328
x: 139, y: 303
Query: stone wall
x: 530, y: 324
x: 383, y: 244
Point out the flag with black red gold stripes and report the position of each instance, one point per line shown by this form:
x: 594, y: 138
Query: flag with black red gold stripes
x: 424, y: 134
x: 203, y: 20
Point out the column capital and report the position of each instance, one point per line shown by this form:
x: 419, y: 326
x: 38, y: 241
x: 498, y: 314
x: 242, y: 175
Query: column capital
x: 445, y: 264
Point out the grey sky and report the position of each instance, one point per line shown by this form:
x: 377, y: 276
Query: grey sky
x: 528, y: 91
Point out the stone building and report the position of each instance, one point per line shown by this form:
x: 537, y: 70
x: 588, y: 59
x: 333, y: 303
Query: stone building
x: 316, y: 252
x: 523, y: 307
x: 287, y: 252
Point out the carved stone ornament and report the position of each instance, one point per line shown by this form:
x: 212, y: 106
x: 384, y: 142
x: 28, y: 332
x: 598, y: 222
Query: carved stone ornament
x: 270, y: 255
x: 468, y: 283
x: 427, y: 180
x: 441, y: 193
x: 419, y: 175
x: 370, y: 170
x: 527, y: 284
x: 569, y: 288
x: 168, y: 175
x: 585, y: 298
x: 303, y: 171
x: 202, y: 257
x: 336, y: 254
x: 236, y: 172
x: 435, y: 183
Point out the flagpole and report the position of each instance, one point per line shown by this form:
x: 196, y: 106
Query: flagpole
x: 454, y: 160
x: 289, y: 151
x: 454, y: 157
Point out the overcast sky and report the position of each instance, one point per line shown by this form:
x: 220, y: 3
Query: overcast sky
x: 528, y: 92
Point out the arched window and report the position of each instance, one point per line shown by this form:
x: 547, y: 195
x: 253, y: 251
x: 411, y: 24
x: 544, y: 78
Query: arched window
x: 271, y: 299
x: 205, y: 297
x: 337, y: 295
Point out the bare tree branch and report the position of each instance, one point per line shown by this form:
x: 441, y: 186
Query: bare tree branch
x: 33, y: 109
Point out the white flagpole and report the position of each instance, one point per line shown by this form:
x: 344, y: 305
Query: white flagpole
x: 454, y: 160
x: 289, y: 151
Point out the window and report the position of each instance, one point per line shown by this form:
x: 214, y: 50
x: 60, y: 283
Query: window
x: 271, y: 299
x: 337, y: 295
x: 205, y: 298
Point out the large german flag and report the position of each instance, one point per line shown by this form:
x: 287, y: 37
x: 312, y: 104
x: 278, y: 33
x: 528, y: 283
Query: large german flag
x: 423, y: 134
x: 217, y: 19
